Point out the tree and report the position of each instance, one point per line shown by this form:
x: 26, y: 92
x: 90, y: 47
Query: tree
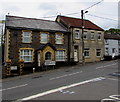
x: 113, y: 31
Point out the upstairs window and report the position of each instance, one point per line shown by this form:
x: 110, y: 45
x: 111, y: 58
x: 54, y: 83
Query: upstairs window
x: 26, y: 37
x: 99, y: 36
x: 85, y: 35
x: 106, y: 42
x: 77, y: 34
x: 59, y: 38
x: 44, y: 37
x: 92, y: 36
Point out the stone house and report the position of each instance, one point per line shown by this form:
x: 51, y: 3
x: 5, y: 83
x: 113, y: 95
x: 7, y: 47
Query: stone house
x: 35, y: 42
x: 93, y: 39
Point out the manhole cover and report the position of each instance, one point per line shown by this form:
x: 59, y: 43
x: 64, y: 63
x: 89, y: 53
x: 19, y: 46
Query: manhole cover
x: 36, y: 77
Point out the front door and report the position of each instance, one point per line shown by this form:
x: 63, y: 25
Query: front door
x: 39, y: 59
x: 75, y: 55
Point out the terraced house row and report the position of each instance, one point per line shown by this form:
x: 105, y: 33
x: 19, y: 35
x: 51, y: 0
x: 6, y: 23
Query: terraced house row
x: 35, y: 43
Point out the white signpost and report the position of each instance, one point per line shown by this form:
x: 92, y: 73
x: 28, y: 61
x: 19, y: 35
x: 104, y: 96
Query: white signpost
x: 13, y: 67
x: 48, y: 63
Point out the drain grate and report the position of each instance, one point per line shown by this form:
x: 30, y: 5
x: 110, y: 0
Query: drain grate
x: 37, y: 77
x: 67, y: 71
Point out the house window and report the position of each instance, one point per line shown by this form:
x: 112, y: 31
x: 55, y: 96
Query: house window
x: 26, y: 55
x: 85, y: 35
x: 26, y: 37
x: 77, y: 34
x: 44, y: 38
x: 48, y: 56
x: 119, y: 51
x: 86, y: 52
x: 99, y: 36
x: 106, y: 42
x: 92, y: 36
x: 106, y: 51
x: 113, y: 50
x: 60, y: 55
x: 119, y: 42
x: 98, y: 52
x: 59, y: 38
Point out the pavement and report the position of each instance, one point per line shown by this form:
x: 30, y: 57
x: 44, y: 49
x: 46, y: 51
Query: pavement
x: 26, y: 86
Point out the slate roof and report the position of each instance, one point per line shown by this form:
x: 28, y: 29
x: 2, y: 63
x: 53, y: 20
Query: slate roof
x: 33, y: 23
x: 112, y: 36
x: 77, y: 23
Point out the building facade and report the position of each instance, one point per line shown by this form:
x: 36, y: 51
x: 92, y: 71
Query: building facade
x: 112, y: 46
x: 35, y: 42
x: 93, y: 37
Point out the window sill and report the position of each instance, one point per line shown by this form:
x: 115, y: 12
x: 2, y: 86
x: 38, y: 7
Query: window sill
x: 43, y: 42
x: 27, y: 42
x: 98, y: 56
x: 60, y: 61
x: 59, y: 44
x: 87, y: 56
x: 77, y: 38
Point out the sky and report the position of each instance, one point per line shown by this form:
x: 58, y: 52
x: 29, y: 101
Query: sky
x: 104, y: 14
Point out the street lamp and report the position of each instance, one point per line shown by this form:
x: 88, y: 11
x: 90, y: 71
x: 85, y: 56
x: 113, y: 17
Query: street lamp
x: 82, y: 15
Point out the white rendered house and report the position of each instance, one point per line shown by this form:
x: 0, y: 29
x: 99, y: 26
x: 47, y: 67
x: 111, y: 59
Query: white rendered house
x: 112, y: 46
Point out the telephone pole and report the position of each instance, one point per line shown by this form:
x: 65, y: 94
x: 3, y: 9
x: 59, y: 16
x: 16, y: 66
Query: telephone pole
x: 82, y: 17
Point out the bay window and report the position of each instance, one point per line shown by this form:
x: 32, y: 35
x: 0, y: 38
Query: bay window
x: 26, y: 55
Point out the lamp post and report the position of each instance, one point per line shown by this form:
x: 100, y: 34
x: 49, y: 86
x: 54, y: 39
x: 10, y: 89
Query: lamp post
x: 82, y: 15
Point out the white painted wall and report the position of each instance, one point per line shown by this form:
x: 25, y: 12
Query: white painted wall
x: 111, y: 44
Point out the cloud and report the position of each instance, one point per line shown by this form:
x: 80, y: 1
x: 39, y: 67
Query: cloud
x: 47, y: 6
x: 50, y: 8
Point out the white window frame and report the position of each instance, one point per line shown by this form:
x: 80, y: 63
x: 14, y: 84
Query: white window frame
x: 42, y: 37
x: 57, y: 39
x: 85, y: 35
x: 23, y: 55
x: 59, y: 54
x: 27, y: 37
x: 98, y: 51
x: 77, y: 34
x: 106, y: 50
x: 106, y: 42
x: 92, y: 36
x: 99, y: 35
x: 87, y: 50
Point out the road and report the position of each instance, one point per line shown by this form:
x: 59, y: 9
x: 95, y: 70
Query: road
x: 89, y: 82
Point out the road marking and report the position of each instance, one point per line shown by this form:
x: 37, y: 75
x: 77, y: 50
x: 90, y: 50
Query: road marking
x: 14, y: 87
x: 59, y: 89
x: 112, y: 79
x: 67, y: 92
x: 65, y: 75
x: 115, y: 97
x: 99, y: 67
x: 108, y: 100
x: 106, y: 66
